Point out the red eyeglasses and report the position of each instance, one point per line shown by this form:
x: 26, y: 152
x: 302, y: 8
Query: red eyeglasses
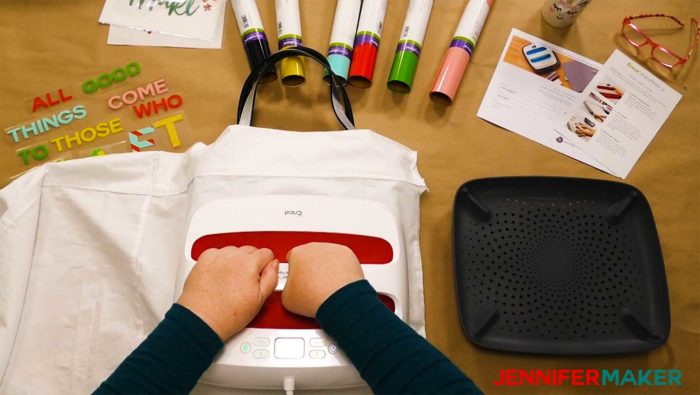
x: 659, y: 53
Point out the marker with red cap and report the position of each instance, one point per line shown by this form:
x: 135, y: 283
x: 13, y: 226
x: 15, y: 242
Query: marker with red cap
x: 460, y: 51
x: 369, y: 32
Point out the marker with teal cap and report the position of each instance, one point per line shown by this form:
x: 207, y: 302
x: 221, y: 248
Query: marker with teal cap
x: 403, y: 70
x: 347, y: 13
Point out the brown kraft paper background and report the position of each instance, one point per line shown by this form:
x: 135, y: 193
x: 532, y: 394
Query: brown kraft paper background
x: 47, y: 45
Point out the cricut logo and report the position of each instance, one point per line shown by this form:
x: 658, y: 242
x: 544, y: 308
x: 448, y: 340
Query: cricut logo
x: 298, y: 213
x: 589, y: 377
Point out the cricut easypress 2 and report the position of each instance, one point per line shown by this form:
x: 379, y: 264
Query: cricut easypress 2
x: 278, y: 344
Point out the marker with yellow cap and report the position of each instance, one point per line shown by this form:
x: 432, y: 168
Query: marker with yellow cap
x: 289, y: 36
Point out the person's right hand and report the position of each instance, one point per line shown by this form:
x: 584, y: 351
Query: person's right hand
x: 317, y: 271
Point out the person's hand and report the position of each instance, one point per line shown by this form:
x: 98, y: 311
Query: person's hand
x: 228, y: 286
x: 317, y: 271
x: 584, y: 130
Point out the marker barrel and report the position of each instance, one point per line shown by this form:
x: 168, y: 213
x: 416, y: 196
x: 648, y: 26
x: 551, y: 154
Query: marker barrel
x: 364, y: 57
x: 340, y: 48
x: 289, y: 36
x: 403, y: 69
x: 458, y: 55
x: 369, y: 33
x: 254, y: 39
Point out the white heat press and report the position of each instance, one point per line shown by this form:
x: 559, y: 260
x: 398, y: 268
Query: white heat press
x: 278, y: 344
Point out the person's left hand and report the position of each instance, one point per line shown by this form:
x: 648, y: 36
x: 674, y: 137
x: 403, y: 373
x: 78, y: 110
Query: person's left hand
x: 228, y: 286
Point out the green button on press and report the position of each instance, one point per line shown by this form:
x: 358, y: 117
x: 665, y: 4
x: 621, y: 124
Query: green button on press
x: 245, y: 347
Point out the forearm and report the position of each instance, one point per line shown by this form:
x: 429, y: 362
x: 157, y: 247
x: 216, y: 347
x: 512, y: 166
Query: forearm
x: 389, y: 355
x: 170, y: 360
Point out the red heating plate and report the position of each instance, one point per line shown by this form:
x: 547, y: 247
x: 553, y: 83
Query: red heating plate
x: 274, y: 316
x: 369, y: 249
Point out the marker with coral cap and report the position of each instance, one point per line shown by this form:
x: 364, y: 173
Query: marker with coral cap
x: 369, y: 32
x: 460, y: 51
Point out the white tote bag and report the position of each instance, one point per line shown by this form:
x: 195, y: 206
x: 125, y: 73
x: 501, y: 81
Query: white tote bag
x: 90, y: 249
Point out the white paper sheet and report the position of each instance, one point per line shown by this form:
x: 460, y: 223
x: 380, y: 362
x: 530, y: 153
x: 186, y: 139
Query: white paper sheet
x: 619, y: 113
x: 119, y: 35
x: 529, y: 103
x: 183, y: 18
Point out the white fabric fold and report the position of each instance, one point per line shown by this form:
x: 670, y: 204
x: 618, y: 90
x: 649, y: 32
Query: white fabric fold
x: 90, y: 249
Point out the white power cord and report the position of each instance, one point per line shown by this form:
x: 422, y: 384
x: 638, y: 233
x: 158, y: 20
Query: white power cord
x: 288, y: 385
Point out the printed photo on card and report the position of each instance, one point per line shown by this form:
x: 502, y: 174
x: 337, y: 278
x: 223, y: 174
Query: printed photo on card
x: 619, y: 113
x: 535, y: 82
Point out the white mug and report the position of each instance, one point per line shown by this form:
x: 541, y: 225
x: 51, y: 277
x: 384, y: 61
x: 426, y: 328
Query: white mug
x: 561, y: 13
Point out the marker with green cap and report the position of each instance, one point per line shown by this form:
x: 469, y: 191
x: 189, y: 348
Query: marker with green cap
x: 403, y: 70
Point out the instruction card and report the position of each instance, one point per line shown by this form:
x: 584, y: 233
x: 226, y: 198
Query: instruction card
x: 534, y: 84
x: 618, y: 114
x: 186, y: 18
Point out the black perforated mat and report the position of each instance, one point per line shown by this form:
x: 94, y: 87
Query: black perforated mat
x: 559, y: 266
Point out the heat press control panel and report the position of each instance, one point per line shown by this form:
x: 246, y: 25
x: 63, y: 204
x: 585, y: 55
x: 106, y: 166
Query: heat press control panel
x: 286, y: 348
